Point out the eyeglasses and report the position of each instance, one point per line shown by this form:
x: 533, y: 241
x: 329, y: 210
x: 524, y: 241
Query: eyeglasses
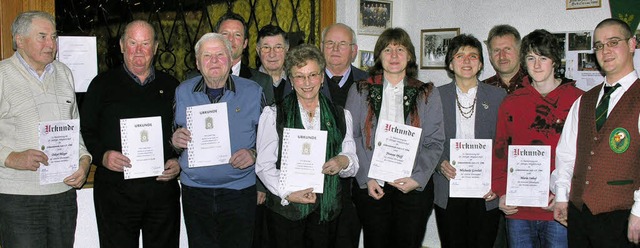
x: 268, y: 49
x: 598, y: 46
x: 299, y: 78
x: 343, y: 45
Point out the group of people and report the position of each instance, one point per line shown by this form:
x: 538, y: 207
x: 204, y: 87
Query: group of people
x: 241, y: 203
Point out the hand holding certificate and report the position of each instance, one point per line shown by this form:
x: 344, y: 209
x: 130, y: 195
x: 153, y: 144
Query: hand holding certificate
x: 528, y: 173
x: 472, y: 160
x: 210, y: 142
x: 395, y: 151
x: 59, y: 140
x: 303, y: 154
x: 142, y: 143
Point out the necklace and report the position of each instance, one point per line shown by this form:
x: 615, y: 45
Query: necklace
x: 466, y: 111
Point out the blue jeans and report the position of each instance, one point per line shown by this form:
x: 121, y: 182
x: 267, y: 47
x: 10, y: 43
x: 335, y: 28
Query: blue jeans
x: 40, y: 221
x: 219, y: 218
x: 536, y: 234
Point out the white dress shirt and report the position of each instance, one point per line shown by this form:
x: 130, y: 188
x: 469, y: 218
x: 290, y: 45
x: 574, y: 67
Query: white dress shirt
x: 465, y: 127
x: 267, y: 147
x: 392, y: 107
x: 566, y: 151
x: 235, y: 69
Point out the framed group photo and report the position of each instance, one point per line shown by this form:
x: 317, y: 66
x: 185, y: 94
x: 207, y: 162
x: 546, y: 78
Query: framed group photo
x: 433, y: 46
x: 374, y: 16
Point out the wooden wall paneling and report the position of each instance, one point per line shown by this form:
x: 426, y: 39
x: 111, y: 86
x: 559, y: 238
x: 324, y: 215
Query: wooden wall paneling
x: 327, y: 13
x: 9, y: 9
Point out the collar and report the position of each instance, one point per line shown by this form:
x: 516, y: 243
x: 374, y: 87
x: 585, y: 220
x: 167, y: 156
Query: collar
x: 283, y: 75
x: 201, y: 86
x: 47, y: 68
x: 345, y: 76
x: 625, y: 82
x: 235, y: 69
x: 150, y: 78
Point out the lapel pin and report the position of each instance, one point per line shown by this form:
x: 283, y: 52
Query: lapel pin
x: 485, y: 105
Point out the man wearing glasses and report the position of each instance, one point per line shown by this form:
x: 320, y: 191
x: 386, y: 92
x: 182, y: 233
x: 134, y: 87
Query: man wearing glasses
x: 340, y: 49
x: 273, y: 45
x: 596, y: 183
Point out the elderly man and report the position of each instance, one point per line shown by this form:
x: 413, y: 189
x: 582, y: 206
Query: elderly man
x: 504, y: 50
x: 273, y: 45
x: 219, y: 201
x: 35, y: 89
x: 340, y: 48
x: 132, y: 90
x: 235, y: 29
x: 597, y: 182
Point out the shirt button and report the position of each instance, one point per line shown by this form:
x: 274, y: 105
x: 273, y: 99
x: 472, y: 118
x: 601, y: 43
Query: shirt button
x: 588, y: 167
x: 591, y: 152
x: 595, y: 138
x: 587, y: 182
x: 558, y: 121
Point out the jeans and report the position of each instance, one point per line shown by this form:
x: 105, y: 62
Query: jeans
x: 219, y: 218
x: 38, y: 221
x: 536, y: 234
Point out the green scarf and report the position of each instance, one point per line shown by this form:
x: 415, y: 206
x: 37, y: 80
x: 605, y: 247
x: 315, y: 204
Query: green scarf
x: 332, y: 121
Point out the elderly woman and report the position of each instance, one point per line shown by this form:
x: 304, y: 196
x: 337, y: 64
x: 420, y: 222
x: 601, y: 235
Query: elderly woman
x: 303, y: 218
x: 533, y: 115
x: 394, y: 214
x: 470, y: 110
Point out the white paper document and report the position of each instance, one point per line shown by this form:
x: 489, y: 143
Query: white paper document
x: 303, y: 155
x: 59, y: 140
x: 528, y: 173
x: 80, y: 54
x: 210, y: 142
x: 142, y: 143
x: 472, y: 160
x: 395, y: 151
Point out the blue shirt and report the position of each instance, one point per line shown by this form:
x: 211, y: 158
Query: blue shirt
x: 244, y: 100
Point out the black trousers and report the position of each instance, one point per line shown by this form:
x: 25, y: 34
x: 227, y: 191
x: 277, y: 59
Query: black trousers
x: 348, y: 233
x: 308, y: 232
x: 466, y: 223
x: 601, y: 230
x: 123, y: 208
x: 397, y: 220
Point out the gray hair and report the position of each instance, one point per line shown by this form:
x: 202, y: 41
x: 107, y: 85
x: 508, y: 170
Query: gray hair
x: 138, y: 23
x: 342, y: 25
x: 212, y: 36
x: 22, y: 24
x: 503, y: 30
x: 300, y: 55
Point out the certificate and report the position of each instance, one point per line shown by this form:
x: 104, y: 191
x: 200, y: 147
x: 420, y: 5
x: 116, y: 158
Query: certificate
x: 59, y: 140
x: 472, y: 160
x: 303, y: 155
x: 528, y: 174
x: 142, y: 143
x: 395, y: 151
x: 80, y: 54
x: 210, y: 143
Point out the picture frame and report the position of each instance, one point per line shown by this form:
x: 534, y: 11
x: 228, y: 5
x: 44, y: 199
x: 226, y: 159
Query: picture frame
x: 433, y: 46
x: 366, y: 60
x: 583, y: 4
x: 374, y: 16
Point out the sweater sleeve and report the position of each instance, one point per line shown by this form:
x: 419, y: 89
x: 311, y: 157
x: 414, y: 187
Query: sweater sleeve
x: 500, y: 149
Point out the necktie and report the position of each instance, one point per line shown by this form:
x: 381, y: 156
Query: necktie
x: 603, y: 106
x: 336, y: 79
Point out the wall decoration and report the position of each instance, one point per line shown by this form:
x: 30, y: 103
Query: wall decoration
x: 374, y: 16
x: 366, y: 60
x: 582, y: 4
x: 433, y: 46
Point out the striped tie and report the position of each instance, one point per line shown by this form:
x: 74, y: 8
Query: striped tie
x: 603, y: 106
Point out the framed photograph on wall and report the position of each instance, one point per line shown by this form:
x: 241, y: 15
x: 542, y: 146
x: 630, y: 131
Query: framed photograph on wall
x: 374, y: 16
x: 433, y: 46
x: 583, y: 4
x: 366, y: 60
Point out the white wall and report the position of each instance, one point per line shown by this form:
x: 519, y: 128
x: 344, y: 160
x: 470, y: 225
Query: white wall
x: 474, y: 17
